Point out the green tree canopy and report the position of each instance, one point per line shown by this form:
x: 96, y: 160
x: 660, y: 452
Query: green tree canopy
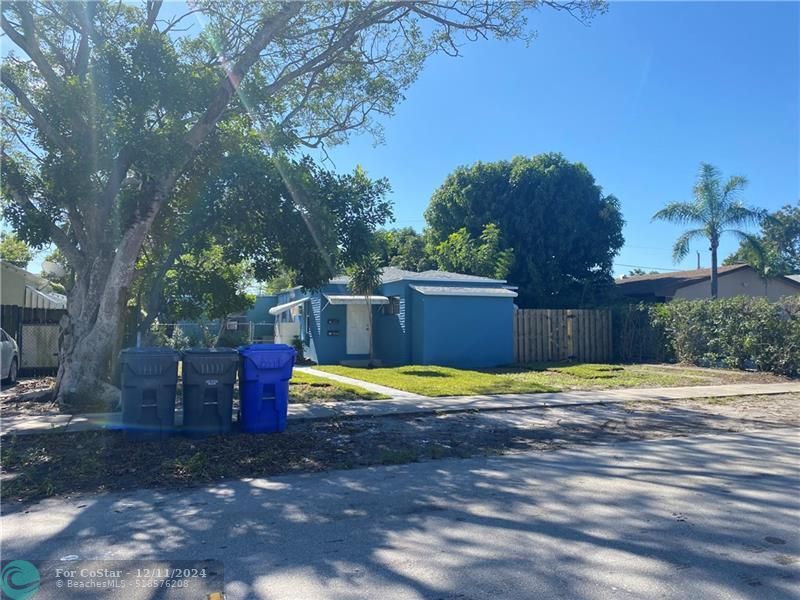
x: 563, y: 230
x: 15, y: 250
x: 484, y: 256
x: 776, y: 250
x: 205, y: 284
x: 403, y: 248
x: 114, y: 111
x: 637, y: 272
x: 277, y: 215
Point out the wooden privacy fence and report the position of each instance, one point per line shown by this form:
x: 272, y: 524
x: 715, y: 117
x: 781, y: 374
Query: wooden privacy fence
x: 545, y: 335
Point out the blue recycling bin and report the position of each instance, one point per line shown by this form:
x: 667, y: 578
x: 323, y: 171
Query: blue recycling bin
x: 264, y: 374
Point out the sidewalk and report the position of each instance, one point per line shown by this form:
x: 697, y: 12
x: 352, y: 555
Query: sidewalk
x: 421, y: 405
x: 393, y: 393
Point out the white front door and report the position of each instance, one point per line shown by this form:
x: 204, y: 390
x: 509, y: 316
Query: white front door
x: 357, y: 329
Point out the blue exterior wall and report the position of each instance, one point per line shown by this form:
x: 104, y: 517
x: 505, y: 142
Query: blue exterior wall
x: 392, y: 334
x: 417, y: 317
x: 324, y: 347
x: 463, y: 331
x: 260, y: 311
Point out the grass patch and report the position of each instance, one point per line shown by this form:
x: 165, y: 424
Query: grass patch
x: 446, y: 381
x: 308, y: 389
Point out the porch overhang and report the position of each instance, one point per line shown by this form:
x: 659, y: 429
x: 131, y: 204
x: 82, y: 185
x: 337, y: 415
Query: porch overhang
x: 336, y: 299
x: 281, y: 308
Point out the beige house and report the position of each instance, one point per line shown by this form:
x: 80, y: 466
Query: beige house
x: 19, y: 287
x: 734, y: 280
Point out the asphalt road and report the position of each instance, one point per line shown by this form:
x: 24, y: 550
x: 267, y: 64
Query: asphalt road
x: 700, y: 517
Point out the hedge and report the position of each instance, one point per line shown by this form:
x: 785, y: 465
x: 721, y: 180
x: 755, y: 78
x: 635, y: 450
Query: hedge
x: 740, y: 332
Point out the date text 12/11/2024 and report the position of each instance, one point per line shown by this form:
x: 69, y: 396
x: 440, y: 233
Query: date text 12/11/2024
x: 178, y: 580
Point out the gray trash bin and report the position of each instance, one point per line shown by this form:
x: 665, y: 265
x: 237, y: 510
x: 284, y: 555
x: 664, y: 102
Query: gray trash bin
x: 209, y: 375
x: 149, y: 379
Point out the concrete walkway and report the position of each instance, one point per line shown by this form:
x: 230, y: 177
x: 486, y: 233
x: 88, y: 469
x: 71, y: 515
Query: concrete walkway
x: 366, y: 385
x: 423, y: 404
x: 27, y: 424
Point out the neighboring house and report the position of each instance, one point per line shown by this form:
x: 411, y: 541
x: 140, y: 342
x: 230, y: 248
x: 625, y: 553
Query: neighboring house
x: 734, y: 280
x: 427, y: 318
x: 19, y: 287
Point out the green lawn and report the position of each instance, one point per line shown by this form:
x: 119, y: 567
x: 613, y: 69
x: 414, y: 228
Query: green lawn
x: 305, y: 388
x: 446, y: 381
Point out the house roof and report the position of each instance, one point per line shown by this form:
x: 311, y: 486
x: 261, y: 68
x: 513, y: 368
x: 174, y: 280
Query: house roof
x: 390, y: 274
x: 447, y: 290
x: 664, y: 285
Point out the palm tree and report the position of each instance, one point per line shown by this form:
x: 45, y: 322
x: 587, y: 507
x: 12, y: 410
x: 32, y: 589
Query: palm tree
x: 717, y: 209
x: 365, y: 277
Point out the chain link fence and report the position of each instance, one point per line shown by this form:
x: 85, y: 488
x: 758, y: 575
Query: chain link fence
x: 229, y: 333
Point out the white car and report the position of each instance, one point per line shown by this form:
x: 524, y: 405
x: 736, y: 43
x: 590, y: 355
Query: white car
x: 9, y: 357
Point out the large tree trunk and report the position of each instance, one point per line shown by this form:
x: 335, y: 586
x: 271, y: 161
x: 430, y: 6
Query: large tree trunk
x: 91, y: 328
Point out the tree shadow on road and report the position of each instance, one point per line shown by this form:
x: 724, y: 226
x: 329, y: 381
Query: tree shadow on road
x: 577, y: 521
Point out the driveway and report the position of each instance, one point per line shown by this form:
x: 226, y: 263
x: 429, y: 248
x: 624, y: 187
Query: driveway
x: 711, y: 516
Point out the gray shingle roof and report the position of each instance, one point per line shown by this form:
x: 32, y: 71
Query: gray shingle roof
x: 395, y: 274
x: 457, y: 290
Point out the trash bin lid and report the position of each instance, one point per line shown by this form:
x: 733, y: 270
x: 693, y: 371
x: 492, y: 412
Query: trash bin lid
x: 266, y: 348
x: 219, y: 350
x: 148, y: 350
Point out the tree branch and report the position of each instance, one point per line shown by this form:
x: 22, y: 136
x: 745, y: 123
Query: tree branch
x: 20, y: 139
x: 44, y: 126
x: 153, y: 7
x: 58, y: 235
x: 234, y: 76
x: 27, y: 43
x: 82, y: 56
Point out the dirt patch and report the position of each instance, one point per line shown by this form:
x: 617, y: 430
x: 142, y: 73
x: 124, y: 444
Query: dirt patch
x: 39, y: 466
x: 30, y: 396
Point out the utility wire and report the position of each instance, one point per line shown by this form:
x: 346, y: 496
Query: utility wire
x: 644, y: 267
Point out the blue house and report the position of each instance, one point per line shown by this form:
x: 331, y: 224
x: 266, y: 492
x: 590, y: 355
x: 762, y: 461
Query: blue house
x: 427, y: 318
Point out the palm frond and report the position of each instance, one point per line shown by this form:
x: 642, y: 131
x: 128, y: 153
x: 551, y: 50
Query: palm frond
x: 739, y: 215
x: 734, y: 185
x: 365, y: 276
x: 753, y: 243
x: 680, y: 212
x: 683, y: 243
x: 707, y: 192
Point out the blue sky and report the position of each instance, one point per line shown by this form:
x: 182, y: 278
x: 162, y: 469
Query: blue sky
x: 642, y: 96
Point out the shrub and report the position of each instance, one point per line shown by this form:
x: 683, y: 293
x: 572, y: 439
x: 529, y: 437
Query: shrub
x: 299, y: 348
x: 233, y: 338
x: 635, y: 337
x: 735, y: 332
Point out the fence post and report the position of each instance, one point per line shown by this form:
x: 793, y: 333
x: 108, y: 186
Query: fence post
x: 570, y: 334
